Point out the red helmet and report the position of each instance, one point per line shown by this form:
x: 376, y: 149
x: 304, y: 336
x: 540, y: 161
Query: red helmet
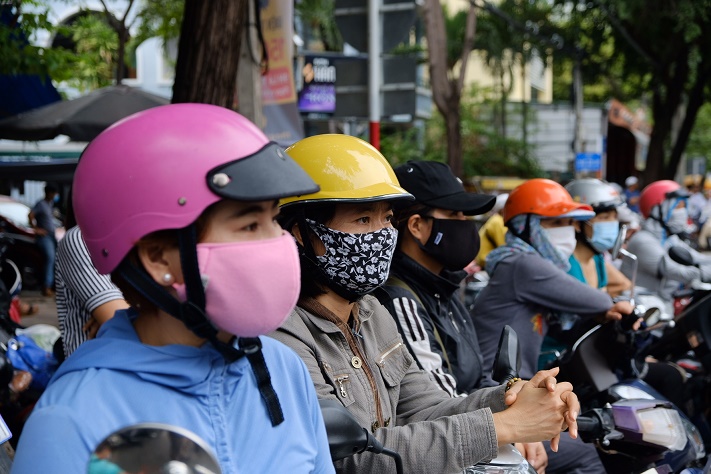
x: 546, y: 198
x: 653, y: 195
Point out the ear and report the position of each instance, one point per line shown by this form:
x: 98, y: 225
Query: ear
x: 419, y: 228
x: 578, y: 226
x: 296, y: 232
x: 160, y: 260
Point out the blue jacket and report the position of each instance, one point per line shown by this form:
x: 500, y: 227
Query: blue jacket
x: 115, y: 381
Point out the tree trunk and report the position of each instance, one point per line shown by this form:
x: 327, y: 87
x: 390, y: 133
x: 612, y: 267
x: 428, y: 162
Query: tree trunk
x: 454, y: 138
x: 121, y: 54
x: 446, y: 88
x: 695, y: 101
x: 208, y: 51
x: 665, y: 102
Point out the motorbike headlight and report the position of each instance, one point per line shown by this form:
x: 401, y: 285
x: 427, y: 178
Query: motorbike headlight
x: 656, y: 423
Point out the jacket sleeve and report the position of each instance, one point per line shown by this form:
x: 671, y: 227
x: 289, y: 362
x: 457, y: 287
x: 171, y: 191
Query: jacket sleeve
x: 653, y: 259
x: 434, y: 432
x: 419, y: 336
x: 537, y: 281
x: 51, y: 441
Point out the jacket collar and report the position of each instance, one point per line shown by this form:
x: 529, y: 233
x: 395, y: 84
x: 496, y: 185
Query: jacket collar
x: 365, y: 311
x: 446, y: 283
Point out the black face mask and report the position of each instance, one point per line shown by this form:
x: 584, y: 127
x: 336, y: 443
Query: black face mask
x: 453, y: 243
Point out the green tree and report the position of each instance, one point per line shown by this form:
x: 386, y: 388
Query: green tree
x: 700, y: 138
x: 661, y: 52
x: 486, y: 152
x: 21, y: 20
x: 447, y: 81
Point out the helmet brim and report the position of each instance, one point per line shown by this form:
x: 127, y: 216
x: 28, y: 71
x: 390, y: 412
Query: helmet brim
x: 376, y: 192
x: 470, y: 204
x: 577, y: 211
x: 267, y: 174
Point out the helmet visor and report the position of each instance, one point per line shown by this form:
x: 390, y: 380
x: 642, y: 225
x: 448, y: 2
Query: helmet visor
x: 267, y: 174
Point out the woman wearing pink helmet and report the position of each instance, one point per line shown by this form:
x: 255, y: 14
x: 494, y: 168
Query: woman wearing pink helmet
x: 178, y: 203
x: 663, y: 205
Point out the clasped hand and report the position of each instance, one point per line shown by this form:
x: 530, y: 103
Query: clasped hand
x: 538, y: 409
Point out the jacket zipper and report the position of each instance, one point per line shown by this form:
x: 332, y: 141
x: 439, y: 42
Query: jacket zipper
x: 339, y: 381
x: 388, y: 352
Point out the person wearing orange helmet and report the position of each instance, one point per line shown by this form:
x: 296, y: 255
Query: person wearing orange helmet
x: 529, y: 286
x: 663, y: 204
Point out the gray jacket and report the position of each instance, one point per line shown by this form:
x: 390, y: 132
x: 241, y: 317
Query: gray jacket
x: 656, y: 270
x: 431, y: 431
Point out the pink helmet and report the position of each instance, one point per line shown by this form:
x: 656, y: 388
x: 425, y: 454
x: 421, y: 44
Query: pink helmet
x: 161, y: 168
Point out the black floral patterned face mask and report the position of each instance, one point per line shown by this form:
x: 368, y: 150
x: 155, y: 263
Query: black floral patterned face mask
x: 358, y: 263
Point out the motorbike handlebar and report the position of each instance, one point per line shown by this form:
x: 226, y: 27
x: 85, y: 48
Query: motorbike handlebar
x: 589, y: 424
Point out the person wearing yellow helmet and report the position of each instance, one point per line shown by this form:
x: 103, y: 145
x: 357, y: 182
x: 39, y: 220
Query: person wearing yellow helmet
x: 351, y: 343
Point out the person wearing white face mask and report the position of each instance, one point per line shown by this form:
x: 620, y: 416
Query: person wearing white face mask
x: 596, y: 236
x: 529, y: 286
x: 663, y: 205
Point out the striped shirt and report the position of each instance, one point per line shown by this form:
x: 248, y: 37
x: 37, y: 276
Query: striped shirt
x: 80, y: 289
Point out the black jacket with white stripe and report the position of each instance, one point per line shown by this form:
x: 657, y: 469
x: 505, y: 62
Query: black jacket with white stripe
x: 435, y: 324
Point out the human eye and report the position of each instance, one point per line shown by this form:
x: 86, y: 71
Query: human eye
x: 363, y: 220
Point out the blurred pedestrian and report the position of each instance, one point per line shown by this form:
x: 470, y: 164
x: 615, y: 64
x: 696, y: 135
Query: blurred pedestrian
x: 42, y: 221
x: 632, y: 193
x: 86, y: 299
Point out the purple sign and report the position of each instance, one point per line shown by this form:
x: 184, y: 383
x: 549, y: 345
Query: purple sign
x: 319, y: 91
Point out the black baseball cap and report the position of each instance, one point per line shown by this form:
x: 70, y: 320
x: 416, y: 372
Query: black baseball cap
x: 433, y: 183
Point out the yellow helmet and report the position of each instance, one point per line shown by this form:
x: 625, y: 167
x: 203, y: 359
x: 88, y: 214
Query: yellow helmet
x: 346, y: 168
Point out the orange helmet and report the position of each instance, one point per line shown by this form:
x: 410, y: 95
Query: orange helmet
x: 657, y: 192
x: 545, y: 198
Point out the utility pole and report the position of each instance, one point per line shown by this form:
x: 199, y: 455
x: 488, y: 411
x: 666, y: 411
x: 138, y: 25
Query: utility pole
x: 375, y: 74
x: 578, y: 94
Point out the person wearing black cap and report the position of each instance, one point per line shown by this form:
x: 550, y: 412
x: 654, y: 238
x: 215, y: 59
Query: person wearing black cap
x: 436, y: 240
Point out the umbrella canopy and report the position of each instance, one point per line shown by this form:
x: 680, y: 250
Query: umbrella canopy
x: 81, y: 119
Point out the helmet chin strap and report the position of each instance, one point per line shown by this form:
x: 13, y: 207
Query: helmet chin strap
x: 307, y: 250
x: 192, y: 314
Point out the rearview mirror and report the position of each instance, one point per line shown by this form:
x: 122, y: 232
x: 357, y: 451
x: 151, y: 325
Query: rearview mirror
x: 508, y: 358
x: 681, y: 255
x: 153, y: 448
x: 345, y: 435
x: 621, y: 236
x: 652, y: 316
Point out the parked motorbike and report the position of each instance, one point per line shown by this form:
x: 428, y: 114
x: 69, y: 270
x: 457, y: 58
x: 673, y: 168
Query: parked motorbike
x: 634, y: 428
x: 25, y: 365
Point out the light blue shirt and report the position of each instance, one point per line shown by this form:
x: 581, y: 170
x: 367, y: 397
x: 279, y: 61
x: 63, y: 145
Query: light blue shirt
x: 115, y: 380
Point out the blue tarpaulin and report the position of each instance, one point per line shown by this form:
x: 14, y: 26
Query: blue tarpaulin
x: 22, y: 92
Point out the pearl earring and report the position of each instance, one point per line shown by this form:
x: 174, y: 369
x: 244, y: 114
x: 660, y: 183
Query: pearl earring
x: 167, y: 278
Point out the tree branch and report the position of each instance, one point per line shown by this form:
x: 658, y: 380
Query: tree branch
x: 437, y: 52
x: 469, y: 34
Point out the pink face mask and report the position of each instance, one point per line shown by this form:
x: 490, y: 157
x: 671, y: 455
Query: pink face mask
x: 250, y: 287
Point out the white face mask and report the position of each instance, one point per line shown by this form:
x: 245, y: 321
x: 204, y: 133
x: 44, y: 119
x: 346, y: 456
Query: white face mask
x: 563, y: 239
x: 679, y: 220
